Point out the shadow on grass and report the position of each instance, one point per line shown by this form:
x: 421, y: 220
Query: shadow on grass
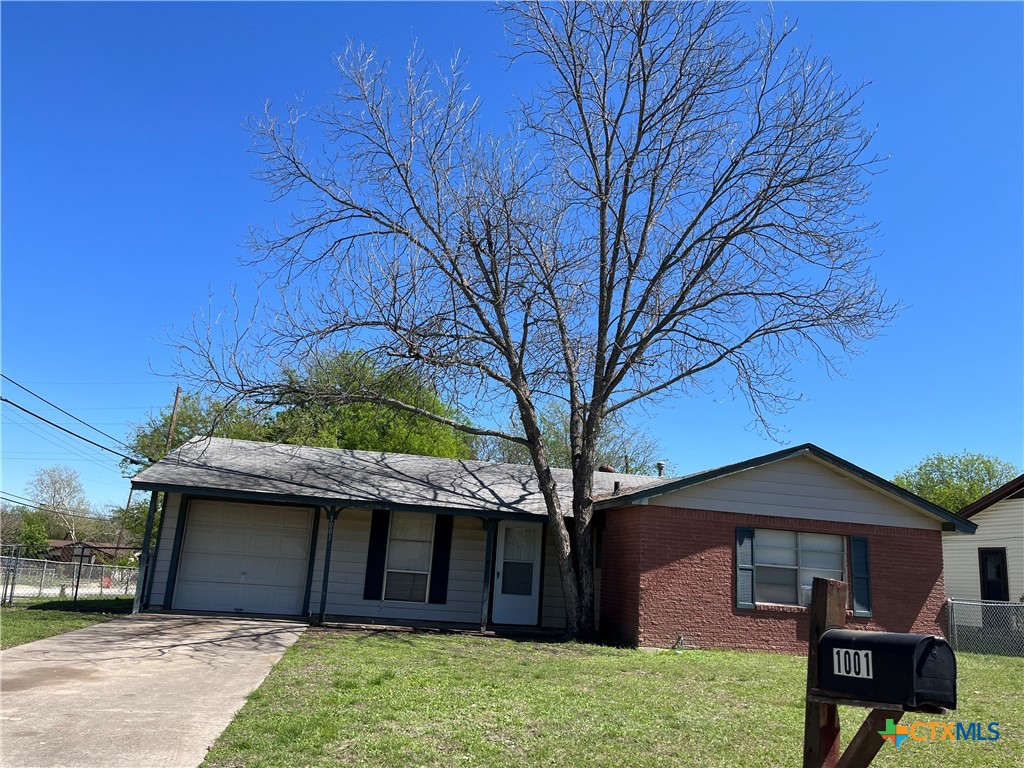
x: 94, y: 605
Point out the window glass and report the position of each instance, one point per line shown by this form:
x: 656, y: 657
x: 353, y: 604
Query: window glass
x: 786, y: 564
x: 776, y: 585
x: 410, y: 544
x: 517, y: 578
x: 411, y: 587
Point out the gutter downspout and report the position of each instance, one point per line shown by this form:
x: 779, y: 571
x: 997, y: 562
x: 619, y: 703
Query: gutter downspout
x: 143, y: 577
x: 332, y: 516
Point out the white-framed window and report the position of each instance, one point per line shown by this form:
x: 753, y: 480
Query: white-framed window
x: 786, y: 563
x: 407, y: 569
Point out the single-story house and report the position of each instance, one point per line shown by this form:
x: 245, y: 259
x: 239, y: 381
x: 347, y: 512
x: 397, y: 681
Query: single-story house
x: 88, y: 552
x: 989, y: 565
x: 718, y: 559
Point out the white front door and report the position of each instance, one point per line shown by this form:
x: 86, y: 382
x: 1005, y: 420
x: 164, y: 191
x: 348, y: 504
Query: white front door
x: 517, y: 573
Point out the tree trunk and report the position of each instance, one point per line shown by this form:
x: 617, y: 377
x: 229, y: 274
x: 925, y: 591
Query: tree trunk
x: 583, y: 513
x: 574, y: 617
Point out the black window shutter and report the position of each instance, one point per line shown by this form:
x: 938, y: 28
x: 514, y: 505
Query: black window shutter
x: 861, y: 575
x: 745, y: 568
x: 373, y: 586
x: 441, y: 559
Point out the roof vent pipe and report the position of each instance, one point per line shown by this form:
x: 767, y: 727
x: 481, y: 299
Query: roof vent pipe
x: 661, y: 468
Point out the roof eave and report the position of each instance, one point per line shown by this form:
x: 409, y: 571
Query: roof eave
x: 1003, y: 492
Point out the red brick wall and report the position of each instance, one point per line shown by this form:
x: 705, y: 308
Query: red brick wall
x: 620, y: 579
x: 683, y: 561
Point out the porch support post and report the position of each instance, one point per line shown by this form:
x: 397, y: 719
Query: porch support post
x: 143, y: 577
x: 491, y: 526
x: 332, y: 516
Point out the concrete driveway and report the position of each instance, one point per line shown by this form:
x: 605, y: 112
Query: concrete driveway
x: 144, y: 690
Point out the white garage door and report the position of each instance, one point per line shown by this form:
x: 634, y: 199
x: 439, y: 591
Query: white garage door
x: 246, y: 558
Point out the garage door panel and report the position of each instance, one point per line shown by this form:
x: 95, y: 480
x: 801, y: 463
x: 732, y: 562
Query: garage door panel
x: 227, y: 597
x: 244, y: 558
x: 231, y: 540
x: 275, y: 599
x: 291, y: 571
x: 265, y: 543
x: 294, y: 545
x: 206, y: 566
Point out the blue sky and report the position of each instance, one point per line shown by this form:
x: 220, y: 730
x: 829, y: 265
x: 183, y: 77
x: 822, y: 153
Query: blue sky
x: 127, y: 193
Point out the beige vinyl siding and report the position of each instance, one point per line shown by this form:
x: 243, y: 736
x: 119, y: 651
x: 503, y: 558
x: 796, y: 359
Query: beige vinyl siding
x: 803, y: 488
x: 553, y: 600
x: 161, y: 566
x: 552, y: 611
x: 348, y: 572
x: 999, y: 526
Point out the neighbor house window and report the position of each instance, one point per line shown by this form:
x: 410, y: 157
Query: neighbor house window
x: 786, y: 564
x: 410, y: 543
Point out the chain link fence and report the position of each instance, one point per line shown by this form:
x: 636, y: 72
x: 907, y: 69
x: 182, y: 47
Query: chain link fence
x: 977, y: 626
x: 87, y: 574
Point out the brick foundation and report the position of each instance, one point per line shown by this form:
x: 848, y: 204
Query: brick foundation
x: 670, y: 572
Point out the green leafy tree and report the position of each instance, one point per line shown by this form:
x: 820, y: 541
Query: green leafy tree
x: 33, y: 536
x: 130, y: 522
x: 307, y: 412
x: 314, y: 415
x: 198, y: 416
x: 954, y: 480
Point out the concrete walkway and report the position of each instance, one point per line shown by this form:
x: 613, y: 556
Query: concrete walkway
x: 144, y: 690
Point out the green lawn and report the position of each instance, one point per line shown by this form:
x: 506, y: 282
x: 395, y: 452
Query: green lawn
x: 450, y: 700
x: 35, y: 619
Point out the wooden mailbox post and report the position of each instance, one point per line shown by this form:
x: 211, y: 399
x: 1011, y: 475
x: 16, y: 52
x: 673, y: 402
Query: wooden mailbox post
x: 889, y: 673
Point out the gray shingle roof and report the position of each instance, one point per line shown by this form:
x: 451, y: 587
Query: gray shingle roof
x: 216, y: 466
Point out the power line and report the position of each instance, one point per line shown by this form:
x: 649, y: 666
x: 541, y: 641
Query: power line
x: 57, y: 440
x: 71, y: 415
x: 129, y: 459
x: 17, y: 502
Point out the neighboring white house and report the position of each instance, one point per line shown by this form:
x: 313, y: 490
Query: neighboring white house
x: 990, y: 564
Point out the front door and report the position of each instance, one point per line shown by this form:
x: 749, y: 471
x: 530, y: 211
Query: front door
x: 517, y: 573
x: 994, y: 581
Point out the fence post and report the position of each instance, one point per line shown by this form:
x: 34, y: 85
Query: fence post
x: 14, y: 575
x: 4, y: 570
x: 42, y: 579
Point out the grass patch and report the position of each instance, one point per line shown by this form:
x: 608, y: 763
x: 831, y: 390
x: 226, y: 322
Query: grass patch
x: 451, y: 700
x: 35, y: 619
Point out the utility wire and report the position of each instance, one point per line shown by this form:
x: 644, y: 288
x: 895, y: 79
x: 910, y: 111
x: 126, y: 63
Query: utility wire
x: 127, y: 458
x: 52, y: 405
x: 18, y: 503
x: 57, y: 440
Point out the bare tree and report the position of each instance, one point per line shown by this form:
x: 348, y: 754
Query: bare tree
x: 626, y: 447
x: 675, y: 209
x: 59, y: 493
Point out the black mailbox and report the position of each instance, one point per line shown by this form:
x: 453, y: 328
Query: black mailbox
x: 913, y: 672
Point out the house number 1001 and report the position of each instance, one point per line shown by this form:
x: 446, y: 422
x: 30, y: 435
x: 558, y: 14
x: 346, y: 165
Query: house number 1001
x: 850, y: 663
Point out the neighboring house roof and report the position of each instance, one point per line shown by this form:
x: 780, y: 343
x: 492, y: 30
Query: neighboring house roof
x: 326, y: 476
x: 59, y: 543
x: 952, y: 521
x: 329, y: 476
x: 1013, y: 488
